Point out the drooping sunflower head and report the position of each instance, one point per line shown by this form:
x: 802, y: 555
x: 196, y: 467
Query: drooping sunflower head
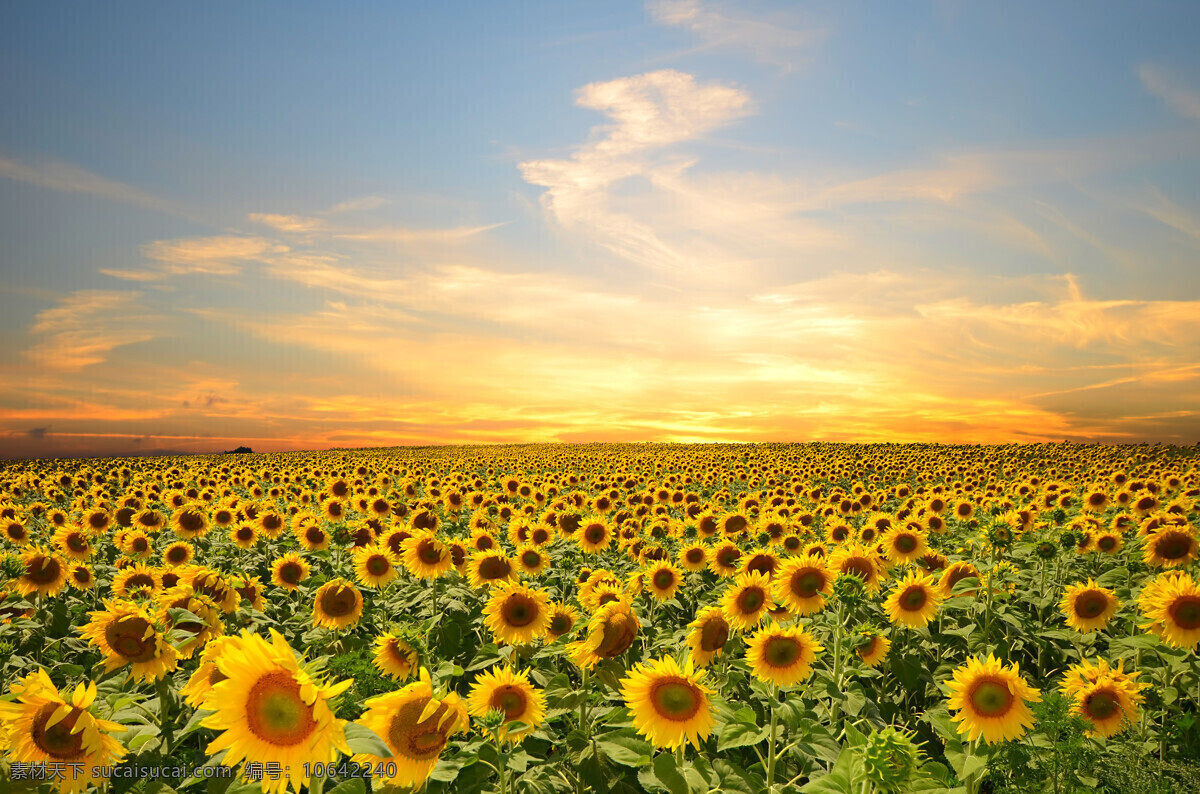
x: 670, y: 705
x: 709, y: 634
x: 517, y: 614
x: 395, y: 656
x: 991, y: 700
x: 416, y: 725
x: 127, y: 634
x: 1088, y: 607
x: 337, y: 604
x: 511, y: 693
x: 781, y: 655
x: 610, y: 632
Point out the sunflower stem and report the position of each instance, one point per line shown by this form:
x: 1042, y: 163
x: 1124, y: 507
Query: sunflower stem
x: 835, y: 705
x: 771, y: 756
x: 316, y: 785
x: 165, y: 727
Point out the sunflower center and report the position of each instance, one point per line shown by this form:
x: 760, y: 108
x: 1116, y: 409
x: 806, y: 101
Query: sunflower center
x: 991, y: 698
x: 139, y: 580
x: 43, y: 570
x: 271, y: 522
x: 905, y: 544
x: 57, y: 740
x: 913, y: 598
x: 1090, y: 604
x: 378, y: 565
x: 663, y: 579
x: 806, y: 583
x: 190, y: 521
x: 675, y: 699
x: 1185, y: 612
x: 560, y: 624
x: 1172, y: 545
x: 126, y: 638
x: 177, y: 555
x: 290, y: 572
x: 98, y: 521
x: 762, y: 564
x: 1106, y: 543
x: 594, y: 534
x: 867, y: 650
x: 495, y: 568
x: 751, y: 599
x: 781, y: 651
x: 1101, y: 705
x: 337, y: 602
x: 510, y: 700
x: 729, y: 557
x: 695, y: 556
x: 276, y: 713
x: 519, y: 610
x: 245, y: 533
x: 429, y: 552
x: 714, y: 635
x: 76, y: 542
x: 858, y: 567
x: 735, y: 524
x: 531, y: 559
x: 314, y: 535
x: 619, y: 633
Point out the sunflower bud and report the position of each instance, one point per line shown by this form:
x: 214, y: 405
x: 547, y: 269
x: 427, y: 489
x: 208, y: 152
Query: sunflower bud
x: 850, y: 589
x: 889, y: 759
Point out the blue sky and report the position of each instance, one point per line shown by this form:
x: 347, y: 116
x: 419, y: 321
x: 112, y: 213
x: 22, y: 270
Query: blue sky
x: 319, y: 225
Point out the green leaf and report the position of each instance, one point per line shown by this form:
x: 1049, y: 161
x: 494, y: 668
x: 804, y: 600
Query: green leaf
x: 625, y: 747
x: 357, y: 786
x: 362, y: 739
x: 668, y: 774
x: 838, y: 781
x: 739, y: 734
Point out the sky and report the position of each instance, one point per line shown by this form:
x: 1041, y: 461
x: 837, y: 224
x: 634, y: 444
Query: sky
x: 312, y: 225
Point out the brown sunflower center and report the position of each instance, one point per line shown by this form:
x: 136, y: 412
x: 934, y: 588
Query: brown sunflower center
x: 1106, y: 543
x: 781, y: 651
x: 1090, y: 604
x: 57, y: 741
x: 337, y: 601
x: 177, y: 555
x: 675, y: 699
x: 991, y: 698
x: 619, y: 632
x: 905, y: 544
x: 561, y: 624
x: 511, y: 700
x: 429, y: 552
x: 128, y: 639
x: 189, y: 521
x: 98, y: 521
x: 494, y: 568
x: 314, y: 535
x: 519, y: 610
x: 1185, y: 612
x: 1101, y: 704
x: 77, y: 542
x: 695, y: 556
x: 531, y: 559
x: 750, y: 600
x: 291, y: 572
x: 378, y: 565
x: 913, y: 599
x: 245, y: 534
x: 762, y: 563
x: 663, y: 579
x: 1173, y: 545
x: 275, y: 711
x: 735, y: 524
x: 858, y: 567
x: 728, y: 557
x: 594, y: 534
x: 714, y: 635
x: 139, y: 579
x: 807, y: 581
x: 42, y: 570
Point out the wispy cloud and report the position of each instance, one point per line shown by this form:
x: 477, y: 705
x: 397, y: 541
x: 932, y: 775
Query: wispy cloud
x: 86, y: 325
x: 1163, y: 85
x: 54, y: 174
x: 217, y: 255
x: 781, y: 41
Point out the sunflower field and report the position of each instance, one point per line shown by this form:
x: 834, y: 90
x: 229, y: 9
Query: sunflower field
x: 610, y: 617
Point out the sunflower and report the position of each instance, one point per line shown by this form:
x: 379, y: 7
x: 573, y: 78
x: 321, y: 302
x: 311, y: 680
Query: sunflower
x: 1107, y: 697
x: 415, y: 726
x: 136, y: 578
x: 670, y: 705
x: 96, y: 521
x: 594, y: 535
x: 532, y: 559
x: 338, y: 604
x: 214, y: 585
x: 914, y: 601
x: 374, y: 565
x: 874, y: 649
x: 761, y: 560
x: 746, y: 603
x: 137, y: 543
x: 991, y: 700
x: 662, y: 579
x: 74, y: 543
x: 563, y: 618
x: 733, y: 524
x: 1173, y: 606
x: 127, y: 635
x: 425, y: 556
x: 41, y: 727
x: 16, y: 532
x: 189, y: 521
x: 483, y: 540
x: 395, y: 656
x: 486, y: 568
x: 709, y: 633
x: 289, y: 571
x: 854, y: 559
x: 202, y: 679
x: 271, y: 524
x: 902, y: 544
x: 610, y: 632
x: 244, y: 536
x: 178, y: 553
x: 1088, y: 606
x: 802, y: 584
x: 694, y: 557
x: 45, y: 573
x: 268, y: 709
x: 955, y: 574
x: 781, y: 655
x: 517, y: 614
x: 1171, y: 547
x: 311, y: 536
x: 192, y: 635
x: 725, y: 560
x: 81, y: 577
x: 513, y: 693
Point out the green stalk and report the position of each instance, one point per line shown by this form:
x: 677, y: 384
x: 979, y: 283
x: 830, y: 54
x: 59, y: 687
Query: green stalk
x: 771, y: 756
x: 836, y: 706
x: 165, y: 726
x: 316, y: 785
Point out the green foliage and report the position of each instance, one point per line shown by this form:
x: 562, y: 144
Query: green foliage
x: 368, y: 682
x: 1056, y: 757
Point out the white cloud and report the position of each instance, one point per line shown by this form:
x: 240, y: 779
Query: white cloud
x: 86, y: 325
x: 720, y: 26
x: 1182, y: 100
